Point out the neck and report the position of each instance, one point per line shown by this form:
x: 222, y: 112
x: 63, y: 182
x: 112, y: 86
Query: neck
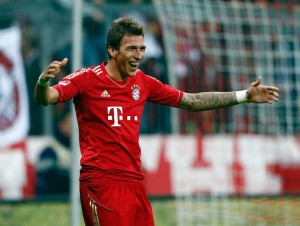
x: 114, y: 72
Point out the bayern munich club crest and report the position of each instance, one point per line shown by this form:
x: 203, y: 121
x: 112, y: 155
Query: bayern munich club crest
x: 135, y: 92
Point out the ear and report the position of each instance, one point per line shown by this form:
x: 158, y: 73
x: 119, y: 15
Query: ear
x: 112, y: 52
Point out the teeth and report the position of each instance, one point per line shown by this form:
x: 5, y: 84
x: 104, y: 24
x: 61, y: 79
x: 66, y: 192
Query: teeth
x: 133, y: 64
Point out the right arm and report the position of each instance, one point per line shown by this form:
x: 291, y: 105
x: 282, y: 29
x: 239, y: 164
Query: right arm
x: 207, y: 100
x: 43, y: 93
x: 256, y: 93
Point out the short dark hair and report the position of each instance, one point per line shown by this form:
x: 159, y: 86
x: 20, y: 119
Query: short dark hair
x: 120, y: 28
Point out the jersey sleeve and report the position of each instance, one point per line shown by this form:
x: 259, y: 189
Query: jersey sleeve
x: 72, y: 85
x: 162, y: 93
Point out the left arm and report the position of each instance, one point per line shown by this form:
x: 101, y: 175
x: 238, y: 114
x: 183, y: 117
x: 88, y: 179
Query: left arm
x: 207, y: 100
x: 256, y: 93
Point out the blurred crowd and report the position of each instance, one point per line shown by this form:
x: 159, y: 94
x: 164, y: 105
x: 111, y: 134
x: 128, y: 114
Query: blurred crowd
x: 97, y: 14
x: 223, y: 53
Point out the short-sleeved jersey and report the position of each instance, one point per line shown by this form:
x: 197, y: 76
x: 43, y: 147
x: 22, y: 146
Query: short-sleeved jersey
x: 109, y: 113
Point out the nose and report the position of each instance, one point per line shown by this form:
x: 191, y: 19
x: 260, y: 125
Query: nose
x: 139, y: 54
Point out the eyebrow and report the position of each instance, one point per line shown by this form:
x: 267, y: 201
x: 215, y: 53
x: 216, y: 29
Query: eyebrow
x: 136, y: 47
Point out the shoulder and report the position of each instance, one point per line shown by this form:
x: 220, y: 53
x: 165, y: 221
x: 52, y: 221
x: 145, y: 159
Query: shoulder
x: 146, y: 77
x: 149, y: 82
x: 97, y: 70
x: 83, y: 73
x: 78, y: 74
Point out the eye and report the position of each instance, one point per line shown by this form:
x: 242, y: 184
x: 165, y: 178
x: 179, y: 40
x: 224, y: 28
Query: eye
x: 132, y: 48
x: 135, y: 48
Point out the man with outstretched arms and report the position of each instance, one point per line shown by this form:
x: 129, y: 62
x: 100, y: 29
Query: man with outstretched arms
x: 109, y: 101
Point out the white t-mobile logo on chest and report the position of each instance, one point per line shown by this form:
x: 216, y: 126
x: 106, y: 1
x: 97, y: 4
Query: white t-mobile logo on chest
x: 115, y: 114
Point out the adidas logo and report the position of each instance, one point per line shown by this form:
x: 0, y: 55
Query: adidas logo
x: 105, y: 94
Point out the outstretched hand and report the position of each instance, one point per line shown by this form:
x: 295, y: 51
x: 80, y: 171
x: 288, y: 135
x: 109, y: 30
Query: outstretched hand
x: 262, y: 94
x: 53, y: 69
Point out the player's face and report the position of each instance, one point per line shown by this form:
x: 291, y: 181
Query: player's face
x: 130, y: 54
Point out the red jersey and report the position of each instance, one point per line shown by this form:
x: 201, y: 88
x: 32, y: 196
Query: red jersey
x: 109, y: 113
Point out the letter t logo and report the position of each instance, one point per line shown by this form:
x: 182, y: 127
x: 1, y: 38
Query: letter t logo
x: 115, y: 116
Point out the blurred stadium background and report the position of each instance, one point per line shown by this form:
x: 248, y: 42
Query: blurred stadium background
x: 234, y: 166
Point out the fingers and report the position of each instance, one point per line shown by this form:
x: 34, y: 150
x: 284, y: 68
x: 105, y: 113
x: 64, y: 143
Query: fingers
x: 257, y: 82
x: 262, y: 94
x: 54, y: 68
x: 271, y: 91
x: 58, y: 64
x: 64, y: 62
x: 274, y: 93
x: 272, y: 88
x: 273, y: 96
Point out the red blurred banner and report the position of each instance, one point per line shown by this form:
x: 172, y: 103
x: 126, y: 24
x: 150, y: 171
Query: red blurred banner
x: 179, y: 165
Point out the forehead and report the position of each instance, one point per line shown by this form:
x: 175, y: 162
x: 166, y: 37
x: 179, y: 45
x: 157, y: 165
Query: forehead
x: 132, y: 40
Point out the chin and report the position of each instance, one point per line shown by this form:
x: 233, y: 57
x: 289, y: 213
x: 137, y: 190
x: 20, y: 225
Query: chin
x: 132, y: 73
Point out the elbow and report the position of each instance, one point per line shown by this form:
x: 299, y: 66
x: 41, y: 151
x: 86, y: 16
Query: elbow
x: 44, y: 104
x: 198, y: 109
x: 41, y: 102
x: 192, y: 110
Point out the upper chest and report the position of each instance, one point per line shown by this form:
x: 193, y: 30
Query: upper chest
x: 103, y: 92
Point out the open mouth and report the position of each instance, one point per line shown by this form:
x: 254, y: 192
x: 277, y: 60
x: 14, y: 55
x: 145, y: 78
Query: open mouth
x: 134, y: 66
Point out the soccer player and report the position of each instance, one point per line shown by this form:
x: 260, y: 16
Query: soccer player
x: 109, y: 100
